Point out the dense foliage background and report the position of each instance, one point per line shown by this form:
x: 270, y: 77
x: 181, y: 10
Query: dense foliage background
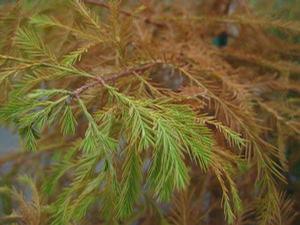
x: 150, y: 112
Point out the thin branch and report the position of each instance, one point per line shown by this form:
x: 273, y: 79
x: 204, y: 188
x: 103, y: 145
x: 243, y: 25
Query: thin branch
x: 103, y: 80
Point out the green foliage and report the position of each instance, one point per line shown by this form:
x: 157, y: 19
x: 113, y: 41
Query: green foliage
x: 31, y: 44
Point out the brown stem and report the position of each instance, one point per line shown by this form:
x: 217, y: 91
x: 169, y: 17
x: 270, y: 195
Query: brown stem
x: 103, y: 80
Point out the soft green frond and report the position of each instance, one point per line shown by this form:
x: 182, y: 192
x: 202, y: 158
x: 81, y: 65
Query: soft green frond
x: 168, y: 171
x: 95, y: 135
x: 89, y: 143
x: 234, y: 139
x: 74, y: 56
x: 110, y: 196
x: 60, y: 213
x: 68, y: 122
x: 57, y: 173
x: 131, y: 182
x: 42, y: 20
x: 29, y: 41
x: 64, y: 209
x: 29, y: 136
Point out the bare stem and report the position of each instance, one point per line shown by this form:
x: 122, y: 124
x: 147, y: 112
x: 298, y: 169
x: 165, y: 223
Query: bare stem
x: 103, y: 80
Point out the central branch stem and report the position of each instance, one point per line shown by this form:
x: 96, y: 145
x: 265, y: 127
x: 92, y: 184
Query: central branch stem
x: 99, y: 80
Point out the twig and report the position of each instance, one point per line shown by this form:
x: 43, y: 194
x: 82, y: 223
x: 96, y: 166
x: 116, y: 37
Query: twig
x: 103, y: 80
